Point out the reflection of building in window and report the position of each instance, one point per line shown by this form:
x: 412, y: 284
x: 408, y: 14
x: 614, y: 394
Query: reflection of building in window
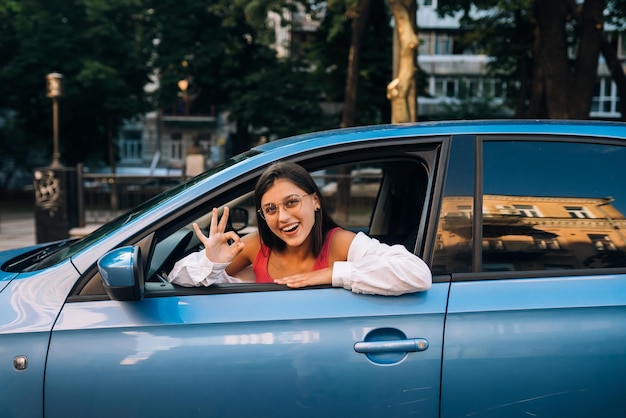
x: 578, y: 212
x: 465, y: 210
x: 439, y: 246
x: 527, y: 211
x: 504, y: 210
x: 532, y: 233
x: 547, y: 244
x: 602, y: 242
x: 493, y: 245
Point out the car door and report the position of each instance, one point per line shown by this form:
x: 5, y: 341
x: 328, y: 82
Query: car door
x: 248, y: 350
x: 536, y: 323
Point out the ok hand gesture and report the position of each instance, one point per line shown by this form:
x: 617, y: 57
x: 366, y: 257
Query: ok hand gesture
x: 220, y: 246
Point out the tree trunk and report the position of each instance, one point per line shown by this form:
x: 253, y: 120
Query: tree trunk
x: 617, y: 72
x: 359, y: 16
x: 586, y: 67
x: 551, y: 18
x: 537, y: 101
x: 524, y: 76
x: 402, y: 90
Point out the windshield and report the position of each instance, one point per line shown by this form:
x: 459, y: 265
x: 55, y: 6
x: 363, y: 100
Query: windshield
x: 51, y: 255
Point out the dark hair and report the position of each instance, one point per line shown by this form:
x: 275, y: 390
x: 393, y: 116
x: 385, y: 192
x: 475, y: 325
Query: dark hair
x: 297, y: 175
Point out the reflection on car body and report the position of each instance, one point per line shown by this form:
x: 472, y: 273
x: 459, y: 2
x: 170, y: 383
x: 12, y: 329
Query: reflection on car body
x: 522, y: 223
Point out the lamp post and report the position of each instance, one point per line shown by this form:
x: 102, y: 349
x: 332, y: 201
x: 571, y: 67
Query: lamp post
x: 54, y: 91
x: 183, y: 85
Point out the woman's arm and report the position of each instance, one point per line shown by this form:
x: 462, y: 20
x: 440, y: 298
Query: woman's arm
x: 376, y: 268
x: 197, y: 270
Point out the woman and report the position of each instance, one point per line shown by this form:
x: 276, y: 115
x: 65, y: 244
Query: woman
x: 298, y: 244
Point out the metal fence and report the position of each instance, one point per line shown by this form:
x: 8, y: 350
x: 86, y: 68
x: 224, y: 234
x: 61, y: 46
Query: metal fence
x: 105, y: 196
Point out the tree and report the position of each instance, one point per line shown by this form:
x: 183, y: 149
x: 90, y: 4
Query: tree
x: 353, y: 74
x: 224, y: 49
x: 102, y: 48
x: 330, y: 58
x: 532, y: 41
x: 358, y: 14
x: 568, y: 85
x: 402, y: 90
x: 116, y: 71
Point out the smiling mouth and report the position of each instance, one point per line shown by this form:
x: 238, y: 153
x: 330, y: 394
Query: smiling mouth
x: 291, y: 228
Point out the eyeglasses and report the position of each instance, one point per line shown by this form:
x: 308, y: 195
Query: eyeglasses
x: 291, y: 203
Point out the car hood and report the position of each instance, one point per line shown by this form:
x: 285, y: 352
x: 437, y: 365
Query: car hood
x: 7, y: 258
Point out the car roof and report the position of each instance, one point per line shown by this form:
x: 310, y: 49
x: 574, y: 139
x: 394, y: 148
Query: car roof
x: 616, y: 130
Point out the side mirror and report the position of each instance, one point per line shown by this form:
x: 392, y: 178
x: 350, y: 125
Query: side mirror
x: 122, y: 273
x: 238, y: 218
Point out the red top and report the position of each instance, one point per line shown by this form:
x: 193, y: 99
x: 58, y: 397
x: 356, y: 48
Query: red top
x: 263, y: 256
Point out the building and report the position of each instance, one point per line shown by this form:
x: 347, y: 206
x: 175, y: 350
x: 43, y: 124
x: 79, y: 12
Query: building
x: 455, y: 72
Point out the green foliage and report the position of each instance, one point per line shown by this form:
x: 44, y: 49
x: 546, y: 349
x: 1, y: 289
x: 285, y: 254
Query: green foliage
x: 103, y: 53
x: 109, y: 50
x: 329, y: 55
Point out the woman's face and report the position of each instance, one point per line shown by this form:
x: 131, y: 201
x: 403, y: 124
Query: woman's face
x: 292, y: 222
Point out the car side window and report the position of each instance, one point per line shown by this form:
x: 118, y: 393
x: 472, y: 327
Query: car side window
x: 349, y: 192
x: 372, y: 197
x: 553, y: 205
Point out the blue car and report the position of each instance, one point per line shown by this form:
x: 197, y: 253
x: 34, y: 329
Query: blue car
x: 521, y: 222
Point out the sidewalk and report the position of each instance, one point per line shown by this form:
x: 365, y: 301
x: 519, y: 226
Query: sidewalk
x: 17, y: 229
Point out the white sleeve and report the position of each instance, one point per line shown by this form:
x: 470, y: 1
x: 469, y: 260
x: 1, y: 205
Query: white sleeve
x: 197, y: 270
x: 377, y: 268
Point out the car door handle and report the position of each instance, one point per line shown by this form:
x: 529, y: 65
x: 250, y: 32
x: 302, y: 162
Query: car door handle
x: 394, y: 346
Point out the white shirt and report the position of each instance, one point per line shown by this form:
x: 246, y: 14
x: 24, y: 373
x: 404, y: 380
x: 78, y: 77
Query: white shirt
x: 372, y: 268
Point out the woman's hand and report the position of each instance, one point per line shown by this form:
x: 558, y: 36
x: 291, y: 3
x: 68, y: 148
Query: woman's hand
x: 220, y: 246
x: 311, y: 278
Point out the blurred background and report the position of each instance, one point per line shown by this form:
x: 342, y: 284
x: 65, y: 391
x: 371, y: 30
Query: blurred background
x: 133, y: 96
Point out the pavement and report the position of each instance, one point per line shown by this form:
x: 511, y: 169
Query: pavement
x: 17, y: 229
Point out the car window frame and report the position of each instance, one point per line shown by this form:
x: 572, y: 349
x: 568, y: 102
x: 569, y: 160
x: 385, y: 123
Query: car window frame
x: 476, y: 273
x: 413, y: 148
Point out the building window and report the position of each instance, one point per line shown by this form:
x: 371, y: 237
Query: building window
x: 578, y: 212
x: 467, y: 87
x: 443, y: 44
x: 439, y: 244
x: 527, y: 211
x: 547, y: 244
x: 507, y: 210
x: 493, y: 245
x: 424, y: 47
x: 176, y: 146
x: 602, y: 242
x: 130, y: 146
x: 465, y: 211
x: 605, y: 100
